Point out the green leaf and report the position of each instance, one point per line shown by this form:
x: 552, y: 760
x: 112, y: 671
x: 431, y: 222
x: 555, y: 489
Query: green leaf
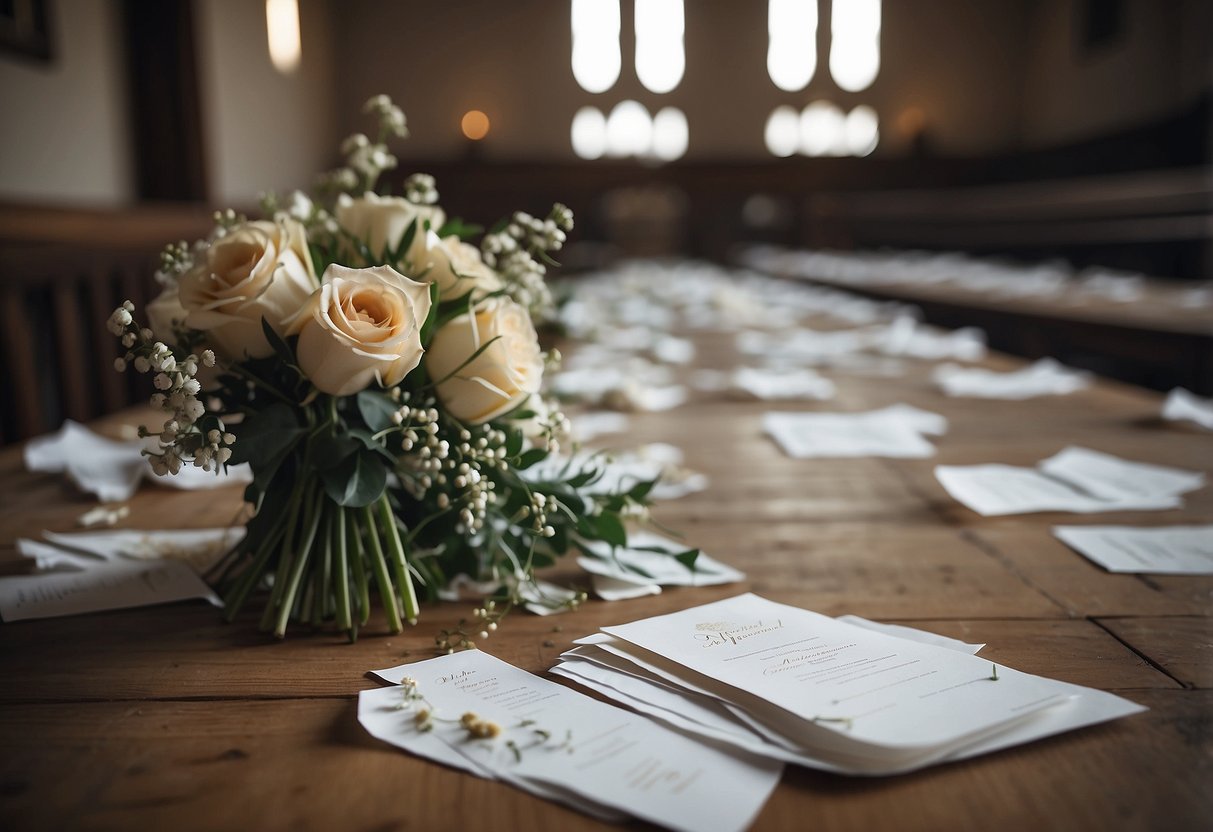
x: 688, y: 558
x: 513, y: 443
x: 393, y: 255
x: 641, y: 490
x: 368, y: 441
x: 530, y: 457
x: 461, y: 229
x: 356, y: 482
x: 280, y: 346
x: 266, y: 435
x: 330, y: 451
x: 376, y: 409
x: 610, y: 528
x: 432, y: 318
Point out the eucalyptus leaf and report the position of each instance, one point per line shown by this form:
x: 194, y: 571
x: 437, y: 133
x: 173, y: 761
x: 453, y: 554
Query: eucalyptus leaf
x: 376, y: 409
x: 330, y: 451
x: 266, y: 435
x: 357, y: 482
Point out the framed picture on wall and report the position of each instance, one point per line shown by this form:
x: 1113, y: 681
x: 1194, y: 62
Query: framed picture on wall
x: 25, y: 29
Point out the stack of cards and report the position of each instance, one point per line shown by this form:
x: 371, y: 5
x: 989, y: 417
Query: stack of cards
x: 107, y: 570
x: 840, y: 695
x: 562, y: 745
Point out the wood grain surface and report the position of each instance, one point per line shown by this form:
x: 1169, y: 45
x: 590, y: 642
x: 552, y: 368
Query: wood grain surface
x: 166, y: 718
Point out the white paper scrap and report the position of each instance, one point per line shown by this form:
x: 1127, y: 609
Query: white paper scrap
x: 200, y: 548
x: 895, y: 431
x: 1076, y: 479
x: 1166, y: 550
x: 637, y: 564
x: 1046, y: 377
x: 112, y: 470
x: 106, y: 586
x: 1183, y: 405
x: 602, y: 754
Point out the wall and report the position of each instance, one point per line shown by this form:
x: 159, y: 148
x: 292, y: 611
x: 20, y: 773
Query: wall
x: 1163, y: 63
x: 265, y: 131
x: 957, y: 60
x: 63, y: 126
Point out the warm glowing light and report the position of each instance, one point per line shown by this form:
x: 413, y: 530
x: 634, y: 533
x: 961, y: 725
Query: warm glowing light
x: 670, y: 134
x: 660, y: 56
x: 911, y: 122
x: 855, y: 43
x: 475, y: 125
x: 782, y: 132
x: 282, y: 31
x: 629, y: 130
x: 822, y: 130
x: 596, y: 56
x: 792, y: 44
x: 862, y: 130
x: 589, y: 133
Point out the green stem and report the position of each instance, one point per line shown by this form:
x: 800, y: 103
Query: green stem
x: 285, y: 556
x: 248, y: 579
x: 400, y: 566
x: 387, y: 593
x: 301, y: 558
x: 358, y: 561
x: 343, y: 576
x: 322, y: 577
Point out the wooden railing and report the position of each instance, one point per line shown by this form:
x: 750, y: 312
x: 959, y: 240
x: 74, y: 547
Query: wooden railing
x: 62, y: 272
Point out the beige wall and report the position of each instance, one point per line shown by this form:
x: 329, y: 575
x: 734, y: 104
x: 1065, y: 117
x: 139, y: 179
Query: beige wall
x: 265, y: 130
x: 1163, y: 64
x: 958, y: 60
x: 63, y: 126
x: 64, y: 134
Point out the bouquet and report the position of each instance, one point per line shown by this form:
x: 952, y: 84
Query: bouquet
x: 381, y: 375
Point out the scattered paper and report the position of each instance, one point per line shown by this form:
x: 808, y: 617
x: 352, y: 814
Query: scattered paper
x: 624, y: 469
x: 587, y: 426
x: 896, y: 431
x: 200, y: 548
x: 1043, y: 378
x: 906, y: 336
x: 105, y: 586
x: 639, y: 565
x: 1182, y: 405
x: 766, y: 383
x: 113, y: 470
x: 1077, y: 480
x: 1168, y: 550
x: 843, y: 695
x: 591, y: 755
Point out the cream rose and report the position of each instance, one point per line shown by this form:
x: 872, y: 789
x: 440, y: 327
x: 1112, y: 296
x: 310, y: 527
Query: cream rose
x: 381, y: 222
x: 259, y: 270
x: 500, y: 378
x: 165, y: 314
x: 456, y: 267
x: 362, y: 325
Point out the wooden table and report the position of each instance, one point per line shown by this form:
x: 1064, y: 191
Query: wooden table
x: 1154, y: 340
x: 167, y: 719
